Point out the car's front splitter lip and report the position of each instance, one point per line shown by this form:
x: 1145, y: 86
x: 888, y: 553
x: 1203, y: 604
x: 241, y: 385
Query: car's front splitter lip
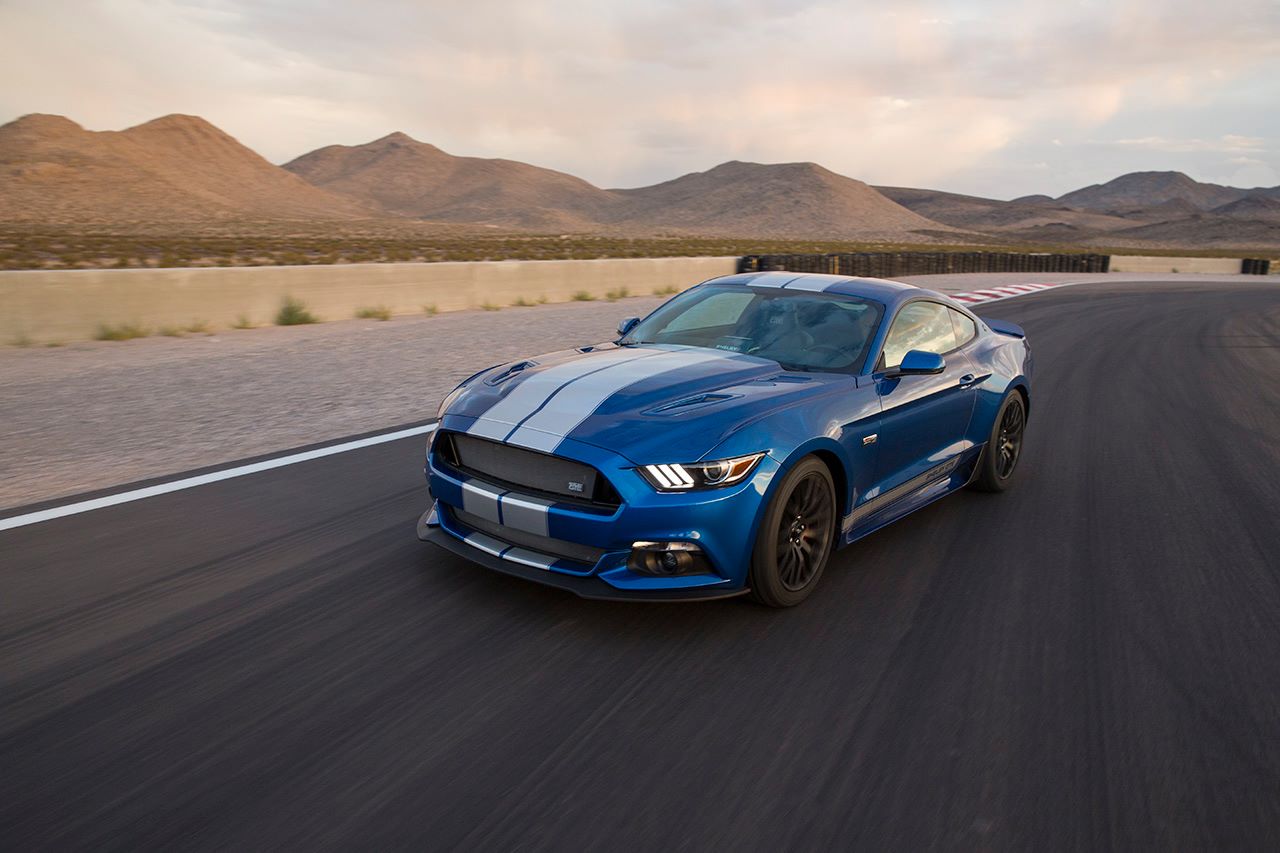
x: 588, y: 586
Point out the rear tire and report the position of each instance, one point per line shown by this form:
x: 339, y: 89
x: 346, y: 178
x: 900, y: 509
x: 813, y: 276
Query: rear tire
x: 1000, y: 457
x: 795, y: 537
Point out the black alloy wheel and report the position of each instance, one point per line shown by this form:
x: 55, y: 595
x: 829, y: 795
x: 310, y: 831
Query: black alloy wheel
x: 796, y: 536
x: 804, y: 533
x: 1009, y: 441
x: 1000, y: 457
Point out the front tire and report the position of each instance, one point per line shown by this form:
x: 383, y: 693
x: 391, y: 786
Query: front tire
x: 1004, y: 446
x: 795, y: 537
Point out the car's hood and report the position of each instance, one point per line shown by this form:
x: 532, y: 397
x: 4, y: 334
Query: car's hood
x: 646, y: 403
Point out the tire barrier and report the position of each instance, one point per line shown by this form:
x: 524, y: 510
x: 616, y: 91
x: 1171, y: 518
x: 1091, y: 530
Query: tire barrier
x: 1255, y: 266
x: 894, y: 264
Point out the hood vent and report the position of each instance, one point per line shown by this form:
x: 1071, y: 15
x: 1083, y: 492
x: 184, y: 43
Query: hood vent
x: 688, y: 402
x: 510, y: 371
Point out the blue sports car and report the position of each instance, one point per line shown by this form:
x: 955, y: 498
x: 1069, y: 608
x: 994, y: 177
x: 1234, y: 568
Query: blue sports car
x: 730, y: 441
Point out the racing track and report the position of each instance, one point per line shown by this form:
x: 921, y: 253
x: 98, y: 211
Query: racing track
x: 1088, y: 662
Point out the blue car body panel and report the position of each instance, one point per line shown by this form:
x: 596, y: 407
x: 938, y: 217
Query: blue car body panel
x: 893, y: 444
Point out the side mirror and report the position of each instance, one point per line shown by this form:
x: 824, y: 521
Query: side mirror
x: 627, y: 325
x: 917, y: 362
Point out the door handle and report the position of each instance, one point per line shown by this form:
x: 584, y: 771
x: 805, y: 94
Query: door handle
x: 969, y: 379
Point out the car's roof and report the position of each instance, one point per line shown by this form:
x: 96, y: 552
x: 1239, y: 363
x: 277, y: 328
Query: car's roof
x: 879, y: 289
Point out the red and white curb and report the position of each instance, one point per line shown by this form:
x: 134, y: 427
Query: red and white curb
x: 1006, y: 291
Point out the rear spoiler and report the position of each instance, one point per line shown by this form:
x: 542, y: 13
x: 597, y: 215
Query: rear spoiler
x: 1004, y: 327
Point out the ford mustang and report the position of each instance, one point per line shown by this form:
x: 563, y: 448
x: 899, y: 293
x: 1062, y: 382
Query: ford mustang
x: 730, y: 441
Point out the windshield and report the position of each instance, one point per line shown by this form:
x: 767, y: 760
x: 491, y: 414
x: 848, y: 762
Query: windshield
x: 799, y: 330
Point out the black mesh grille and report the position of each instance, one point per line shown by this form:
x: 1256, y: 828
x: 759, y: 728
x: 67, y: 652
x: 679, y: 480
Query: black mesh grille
x: 527, y: 470
x: 542, y: 544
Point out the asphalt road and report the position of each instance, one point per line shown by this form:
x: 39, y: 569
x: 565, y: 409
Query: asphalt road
x: 1090, y: 661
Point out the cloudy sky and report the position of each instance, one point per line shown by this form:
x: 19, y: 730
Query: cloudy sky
x: 994, y: 97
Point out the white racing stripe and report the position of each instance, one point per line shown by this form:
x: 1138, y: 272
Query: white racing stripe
x: 204, y: 479
x: 531, y: 392
x: 578, y: 401
x: 816, y: 283
x: 773, y: 279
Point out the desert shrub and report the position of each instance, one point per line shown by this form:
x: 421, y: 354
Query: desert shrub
x: 373, y: 312
x: 615, y: 295
x: 583, y: 296
x: 120, y: 332
x: 294, y: 313
x: 430, y: 309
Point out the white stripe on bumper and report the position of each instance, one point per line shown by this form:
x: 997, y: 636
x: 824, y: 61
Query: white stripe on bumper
x: 481, y: 500
x: 526, y: 514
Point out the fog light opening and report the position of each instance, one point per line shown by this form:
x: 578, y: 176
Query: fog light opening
x: 667, y: 559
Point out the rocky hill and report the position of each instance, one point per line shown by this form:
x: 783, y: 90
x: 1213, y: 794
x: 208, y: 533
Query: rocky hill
x: 403, y: 176
x: 783, y: 200
x: 173, y: 168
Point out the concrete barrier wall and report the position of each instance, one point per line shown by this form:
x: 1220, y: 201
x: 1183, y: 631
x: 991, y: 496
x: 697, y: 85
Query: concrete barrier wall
x: 47, y: 306
x: 1138, y: 263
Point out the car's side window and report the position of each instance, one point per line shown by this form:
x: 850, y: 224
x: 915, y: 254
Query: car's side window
x: 965, y: 328
x: 920, y: 325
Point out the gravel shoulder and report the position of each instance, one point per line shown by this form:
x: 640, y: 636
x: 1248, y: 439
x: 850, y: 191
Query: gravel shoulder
x: 92, y: 415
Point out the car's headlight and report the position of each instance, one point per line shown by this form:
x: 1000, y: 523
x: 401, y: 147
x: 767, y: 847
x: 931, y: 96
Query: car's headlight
x: 700, y: 475
x: 448, y: 401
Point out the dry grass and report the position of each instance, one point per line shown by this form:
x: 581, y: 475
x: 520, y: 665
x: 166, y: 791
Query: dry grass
x: 376, y: 312
x: 583, y: 296
x: 489, y: 306
x: 665, y: 291
x: 615, y: 295
x: 120, y: 332
x: 430, y: 309
x: 242, y: 322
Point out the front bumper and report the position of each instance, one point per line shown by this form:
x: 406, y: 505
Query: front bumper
x: 584, y: 587
x: 721, y: 522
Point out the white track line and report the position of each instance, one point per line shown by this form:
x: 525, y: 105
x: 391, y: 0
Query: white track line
x: 203, y: 479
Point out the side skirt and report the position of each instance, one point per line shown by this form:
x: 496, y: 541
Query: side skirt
x: 920, y: 491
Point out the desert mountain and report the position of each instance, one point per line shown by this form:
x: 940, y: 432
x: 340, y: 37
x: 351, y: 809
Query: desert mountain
x: 1144, y: 189
x: 181, y: 169
x: 173, y: 168
x: 987, y: 214
x: 1256, y: 207
x: 404, y: 176
x: 783, y: 200
x: 413, y: 178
